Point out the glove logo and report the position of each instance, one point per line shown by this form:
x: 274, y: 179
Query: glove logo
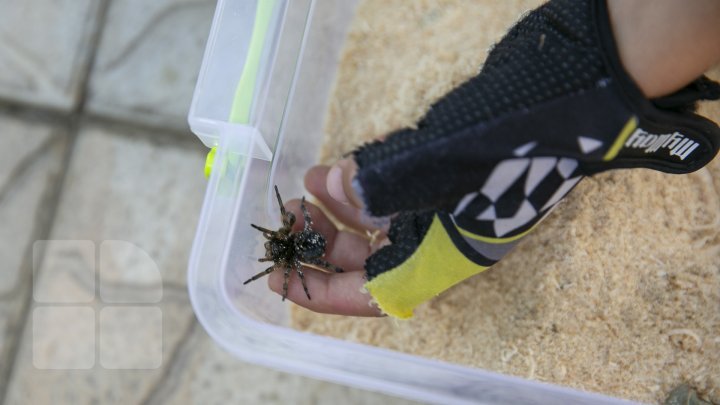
x: 678, y: 144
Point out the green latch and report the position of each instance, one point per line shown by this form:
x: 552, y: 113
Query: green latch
x: 240, y: 111
x: 209, y: 160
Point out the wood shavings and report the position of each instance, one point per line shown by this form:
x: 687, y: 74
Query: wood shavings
x: 376, y: 240
x: 507, y: 354
x: 685, y: 332
x: 627, y: 257
x: 532, y: 365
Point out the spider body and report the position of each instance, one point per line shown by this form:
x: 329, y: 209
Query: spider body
x: 290, y: 250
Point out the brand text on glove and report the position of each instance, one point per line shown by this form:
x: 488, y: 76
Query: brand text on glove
x: 678, y: 144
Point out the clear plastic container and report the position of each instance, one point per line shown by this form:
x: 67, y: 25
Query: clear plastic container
x: 280, y: 140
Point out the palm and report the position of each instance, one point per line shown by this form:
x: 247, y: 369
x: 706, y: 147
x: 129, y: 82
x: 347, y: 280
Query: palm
x: 338, y: 293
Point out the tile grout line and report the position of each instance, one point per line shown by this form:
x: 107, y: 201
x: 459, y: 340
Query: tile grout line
x: 175, y: 361
x: 25, y: 279
x: 51, y: 200
x: 155, y: 21
x: 17, y: 175
x: 141, y: 130
x: 43, y: 228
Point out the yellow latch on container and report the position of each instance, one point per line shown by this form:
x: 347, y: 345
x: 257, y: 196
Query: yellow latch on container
x: 209, y: 160
x: 240, y: 110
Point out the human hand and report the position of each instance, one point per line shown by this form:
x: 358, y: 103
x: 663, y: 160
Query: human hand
x: 334, y: 293
x: 492, y: 158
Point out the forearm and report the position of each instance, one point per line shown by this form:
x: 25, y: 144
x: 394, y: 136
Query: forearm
x: 665, y: 44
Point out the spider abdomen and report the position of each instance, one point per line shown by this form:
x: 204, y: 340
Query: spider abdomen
x: 309, y: 245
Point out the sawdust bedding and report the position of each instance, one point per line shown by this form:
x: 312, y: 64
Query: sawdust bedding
x: 618, y: 292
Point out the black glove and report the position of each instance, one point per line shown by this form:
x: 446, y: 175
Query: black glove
x: 489, y: 160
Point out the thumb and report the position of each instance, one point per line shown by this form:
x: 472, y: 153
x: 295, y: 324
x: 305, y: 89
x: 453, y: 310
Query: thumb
x: 341, y: 185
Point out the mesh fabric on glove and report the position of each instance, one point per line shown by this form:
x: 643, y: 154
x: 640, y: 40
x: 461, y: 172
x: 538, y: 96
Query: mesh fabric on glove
x: 490, y: 159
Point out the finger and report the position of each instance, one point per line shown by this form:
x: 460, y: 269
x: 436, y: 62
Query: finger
x: 346, y: 250
x: 340, y: 294
x: 316, y: 182
x: 339, y: 183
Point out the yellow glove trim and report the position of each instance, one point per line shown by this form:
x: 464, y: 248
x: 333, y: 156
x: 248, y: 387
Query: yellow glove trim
x: 495, y: 241
x: 433, y: 268
x: 620, y: 140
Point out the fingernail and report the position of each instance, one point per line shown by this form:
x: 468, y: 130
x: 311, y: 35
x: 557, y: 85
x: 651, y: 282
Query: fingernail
x: 335, y: 185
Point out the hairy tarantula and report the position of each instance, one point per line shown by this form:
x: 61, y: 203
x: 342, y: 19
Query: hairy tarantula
x: 291, y: 250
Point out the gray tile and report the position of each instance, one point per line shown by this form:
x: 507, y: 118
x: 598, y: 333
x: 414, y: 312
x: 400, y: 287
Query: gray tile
x: 7, y: 312
x: 31, y: 156
x: 138, y: 202
x: 110, y: 307
x: 205, y: 374
x: 30, y: 159
x: 148, y: 60
x: 10, y: 325
x: 62, y: 359
x: 45, y: 45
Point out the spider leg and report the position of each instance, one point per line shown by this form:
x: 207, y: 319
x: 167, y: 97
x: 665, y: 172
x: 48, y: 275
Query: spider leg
x: 264, y: 259
x: 262, y: 273
x: 324, y: 263
x: 282, y: 207
x: 288, y: 218
x: 298, y: 268
x: 285, y: 283
x: 265, y: 231
x: 306, y: 214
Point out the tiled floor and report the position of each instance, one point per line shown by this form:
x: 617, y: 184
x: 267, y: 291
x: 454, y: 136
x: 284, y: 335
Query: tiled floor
x: 96, y: 159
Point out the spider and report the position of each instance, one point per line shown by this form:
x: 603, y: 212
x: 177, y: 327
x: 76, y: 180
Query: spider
x: 291, y: 250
